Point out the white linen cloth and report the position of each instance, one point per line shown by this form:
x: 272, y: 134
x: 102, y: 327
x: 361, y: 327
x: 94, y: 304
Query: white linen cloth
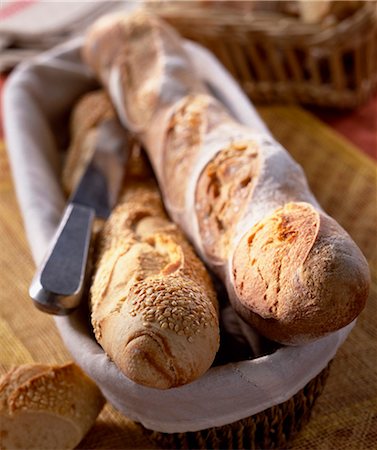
x: 29, y: 27
x: 38, y: 95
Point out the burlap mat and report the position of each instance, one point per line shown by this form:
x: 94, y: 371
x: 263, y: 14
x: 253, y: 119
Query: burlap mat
x: 344, y: 182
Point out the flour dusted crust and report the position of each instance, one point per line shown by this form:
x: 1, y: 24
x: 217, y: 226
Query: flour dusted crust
x: 138, y: 66
x: 47, y: 407
x: 229, y: 187
x: 85, y: 116
x: 193, y: 116
x: 153, y: 306
x: 287, y: 262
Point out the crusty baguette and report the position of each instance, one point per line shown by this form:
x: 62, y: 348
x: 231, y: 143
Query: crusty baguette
x: 85, y: 116
x: 154, y: 309
x: 47, y: 407
x: 290, y: 270
x: 313, y: 11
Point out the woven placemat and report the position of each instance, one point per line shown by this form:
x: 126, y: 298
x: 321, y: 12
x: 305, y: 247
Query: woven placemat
x: 345, y: 183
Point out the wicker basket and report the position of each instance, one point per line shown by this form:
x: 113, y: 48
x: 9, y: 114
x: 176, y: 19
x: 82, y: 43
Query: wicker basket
x: 272, y: 428
x: 278, y: 58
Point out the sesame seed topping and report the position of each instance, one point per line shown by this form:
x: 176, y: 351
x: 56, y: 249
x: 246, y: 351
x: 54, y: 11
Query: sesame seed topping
x: 168, y: 305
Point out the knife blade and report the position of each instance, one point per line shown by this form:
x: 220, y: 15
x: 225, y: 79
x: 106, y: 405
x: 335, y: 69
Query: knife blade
x: 58, y: 283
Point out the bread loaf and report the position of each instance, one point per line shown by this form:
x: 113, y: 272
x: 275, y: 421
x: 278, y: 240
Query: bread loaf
x: 291, y: 271
x: 47, y: 407
x: 153, y: 306
x: 85, y: 118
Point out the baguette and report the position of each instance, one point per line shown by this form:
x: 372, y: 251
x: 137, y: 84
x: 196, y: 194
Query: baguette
x: 47, y: 407
x: 290, y: 270
x: 153, y: 306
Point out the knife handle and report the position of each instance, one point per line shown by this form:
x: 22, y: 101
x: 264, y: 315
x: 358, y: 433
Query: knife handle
x: 58, y: 283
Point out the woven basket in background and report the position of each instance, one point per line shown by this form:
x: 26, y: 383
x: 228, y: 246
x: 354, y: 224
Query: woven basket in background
x: 277, y: 58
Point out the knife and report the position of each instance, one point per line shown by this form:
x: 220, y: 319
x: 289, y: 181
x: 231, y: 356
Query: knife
x: 58, y: 283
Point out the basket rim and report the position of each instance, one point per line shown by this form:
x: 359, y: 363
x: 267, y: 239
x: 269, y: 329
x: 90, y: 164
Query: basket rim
x: 273, y: 415
x: 273, y: 25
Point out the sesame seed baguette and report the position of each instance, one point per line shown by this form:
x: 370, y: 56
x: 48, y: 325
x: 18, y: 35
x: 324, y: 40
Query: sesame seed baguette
x: 153, y: 307
x: 47, y: 407
x: 290, y: 270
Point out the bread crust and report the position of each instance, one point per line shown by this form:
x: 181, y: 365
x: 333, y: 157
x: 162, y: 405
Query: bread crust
x: 47, y: 407
x: 294, y: 270
x: 220, y: 195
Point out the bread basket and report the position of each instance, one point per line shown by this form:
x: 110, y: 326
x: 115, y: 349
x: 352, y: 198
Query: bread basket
x: 261, y: 402
x: 278, y: 58
x: 271, y: 428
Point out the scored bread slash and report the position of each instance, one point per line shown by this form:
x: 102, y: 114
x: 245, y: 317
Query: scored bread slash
x: 59, y: 281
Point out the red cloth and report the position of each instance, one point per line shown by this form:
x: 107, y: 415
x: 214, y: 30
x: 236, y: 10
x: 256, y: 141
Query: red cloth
x: 14, y: 7
x: 358, y: 126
